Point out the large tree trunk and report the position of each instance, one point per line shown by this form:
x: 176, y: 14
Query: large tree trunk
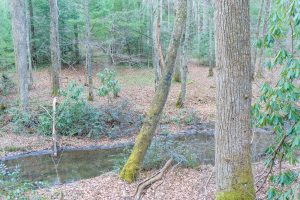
x: 54, y: 43
x: 185, y: 48
x: 18, y: 17
x: 234, y: 177
x: 158, y: 59
x: 264, y: 32
x: 88, y: 50
x: 144, y: 138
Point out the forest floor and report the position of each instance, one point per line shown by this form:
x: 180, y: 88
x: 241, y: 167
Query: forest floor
x: 137, y: 87
x: 178, y: 184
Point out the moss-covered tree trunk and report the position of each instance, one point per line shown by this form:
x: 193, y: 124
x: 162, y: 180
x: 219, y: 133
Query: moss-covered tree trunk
x: 54, y: 47
x: 144, y: 138
x: 234, y: 177
x: 178, y: 63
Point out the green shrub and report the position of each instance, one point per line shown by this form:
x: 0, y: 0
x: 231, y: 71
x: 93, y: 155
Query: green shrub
x: 23, y: 122
x: 74, y: 116
x: 109, y: 85
x: 6, y: 84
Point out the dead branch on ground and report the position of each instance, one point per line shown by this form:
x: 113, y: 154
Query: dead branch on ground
x: 144, y: 185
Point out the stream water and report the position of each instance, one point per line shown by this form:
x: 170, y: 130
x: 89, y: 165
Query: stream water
x: 82, y: 163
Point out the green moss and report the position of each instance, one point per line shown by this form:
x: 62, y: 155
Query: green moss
x: 130, y: 171
x: 210, y: 73
x: 90, y: 97
x: 177, y: 78
x: 132, y: 167
x: 179, y: 103
x: 242, y: 186
x: 55, y: 91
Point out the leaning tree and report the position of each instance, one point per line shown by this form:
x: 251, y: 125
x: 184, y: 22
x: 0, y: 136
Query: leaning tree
x: 144, y: 138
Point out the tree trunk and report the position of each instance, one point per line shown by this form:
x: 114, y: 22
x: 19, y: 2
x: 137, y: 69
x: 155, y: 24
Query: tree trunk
x: 234, y: 177
x: 185, y: 48
x: 76, y: 42
x: 28, y: 22
x: 158, y: 59
x: 177, y: 73
x: 264, y: 32
x: 18, y: 19
x: 257, y: 34
x: 211, y: 39
x: 54, y: 45
x: 88, y: 51
x: 32, y: 35
x: 144, y: 138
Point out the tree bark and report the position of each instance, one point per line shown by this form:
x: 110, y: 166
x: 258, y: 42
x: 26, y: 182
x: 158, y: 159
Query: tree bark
x: 210, y: 39
x: 178, y: 63
x: 264, y: 32
x: 144, y: 138
x: 88, y: 50
x: 234, y: 177
x: 158, y: 58
x: 32, y: 35
x: 76, y: 42
x: 28, y: 22
x: 18, y: 19
x: 185, y: 48
x: 54, y: 45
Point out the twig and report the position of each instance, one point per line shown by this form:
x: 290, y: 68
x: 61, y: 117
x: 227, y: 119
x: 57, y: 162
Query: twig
x: 150, y: 181
x: 272, y: 163
x: 54, y: 137
x: 47, y: 112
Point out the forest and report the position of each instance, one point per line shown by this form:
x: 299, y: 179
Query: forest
x: 150, y: 99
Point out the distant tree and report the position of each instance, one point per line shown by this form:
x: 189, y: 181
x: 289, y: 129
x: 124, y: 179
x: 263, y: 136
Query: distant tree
x: 257, y: 34
x: 185, y: 46
x: 88, y: 57
x: 18, y: 19
x: 32, y: 33
x: 144, y: 138
x: 76, y: 42
x: 234, y: 179
x: 210, y: 37
x: 158, y: 58
x: 263, y: 34
x: 54, y: 46
x: 28, y: 39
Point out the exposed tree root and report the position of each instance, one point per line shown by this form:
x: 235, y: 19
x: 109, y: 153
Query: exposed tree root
x: 144, y: 185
